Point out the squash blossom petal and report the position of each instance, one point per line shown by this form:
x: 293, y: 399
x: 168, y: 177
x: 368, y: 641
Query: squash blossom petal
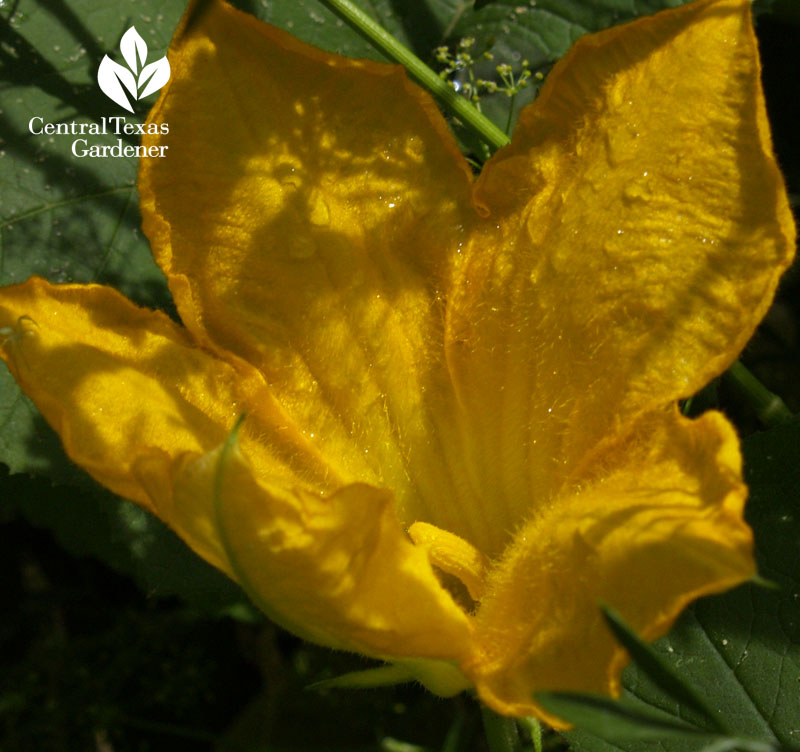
x: 461, y: 431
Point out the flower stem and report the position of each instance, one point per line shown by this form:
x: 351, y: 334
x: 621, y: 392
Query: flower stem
x: 510, y: 115
x: 502, y: 734
x: 534, y: 728
x: 428, y: 78
x: 770, y: 408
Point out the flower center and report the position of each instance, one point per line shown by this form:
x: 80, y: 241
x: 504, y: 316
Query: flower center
x: 454, y: 557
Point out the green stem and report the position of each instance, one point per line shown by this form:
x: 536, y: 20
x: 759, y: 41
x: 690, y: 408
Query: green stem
x: 428, y: 78
x: 770, y: 408
x: 455, y: 733
x: 510, y: 113
x: 502, y: 734
x: 534, y: 728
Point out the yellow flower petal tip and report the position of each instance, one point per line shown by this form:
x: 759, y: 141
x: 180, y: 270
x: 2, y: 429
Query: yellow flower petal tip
x: 461, y: 434
x: 654, y: 525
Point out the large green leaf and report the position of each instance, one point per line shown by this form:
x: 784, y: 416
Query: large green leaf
x: 740, y: 650
x: 88, y: 521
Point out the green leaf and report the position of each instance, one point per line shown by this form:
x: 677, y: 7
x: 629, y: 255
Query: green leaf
x: 502, y: 733
x: 65, y: 217
x: 740, y: 650
x: 540, y: 32
x: 615, y: 722
x: 659, y: 670
x: 88, y: 521
x: 72, y: 218
x: 787, y: 10
x: 312, y: 22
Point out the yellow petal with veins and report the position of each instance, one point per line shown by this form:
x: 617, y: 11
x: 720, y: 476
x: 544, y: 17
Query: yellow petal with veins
x: 145, y: 412
x: 654, y: 523
x: 314, y: 243
x: 338, y: 570
x: 136, y: 402
x: 88, y: 358
x: 633, y: 240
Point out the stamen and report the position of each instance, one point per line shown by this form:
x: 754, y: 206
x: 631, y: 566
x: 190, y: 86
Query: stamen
x: 452, y: 555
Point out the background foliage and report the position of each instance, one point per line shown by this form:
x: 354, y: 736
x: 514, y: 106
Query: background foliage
x: 115, y: 637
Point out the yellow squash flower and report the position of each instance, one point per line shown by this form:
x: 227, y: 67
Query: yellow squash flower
x: 461, y: 431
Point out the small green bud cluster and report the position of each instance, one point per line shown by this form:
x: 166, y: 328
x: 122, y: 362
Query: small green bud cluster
x: 462, y: 61
x: 512, y: 85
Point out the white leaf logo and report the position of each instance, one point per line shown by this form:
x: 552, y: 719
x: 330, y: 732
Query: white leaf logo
x: 132, y: 47
x: 158, y: 75
x: 138, y: 79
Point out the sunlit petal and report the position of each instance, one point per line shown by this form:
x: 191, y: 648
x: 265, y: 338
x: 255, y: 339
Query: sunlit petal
x: 633, y: 241
x: 655, y: 523
x: 312, y: 239
x: 338, y: 570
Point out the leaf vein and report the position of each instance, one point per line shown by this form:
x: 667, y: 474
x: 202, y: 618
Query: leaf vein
x: 66, y: 202
x: 733, y: 669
